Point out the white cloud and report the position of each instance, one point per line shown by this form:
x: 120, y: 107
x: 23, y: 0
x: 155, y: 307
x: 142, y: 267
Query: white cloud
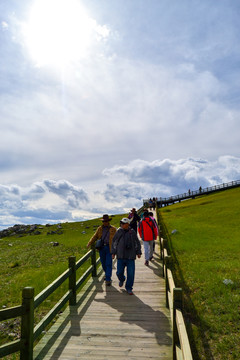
x: 4, y: 25
x: 124, y: 187
x: 41, y: 202
x: 152, y: 109
x: 73, y: 194
x: 171, y: 176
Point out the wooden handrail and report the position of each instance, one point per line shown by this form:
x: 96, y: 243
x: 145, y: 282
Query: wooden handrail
x: 181, y: 346
x: 43, y: 295
x: 192, y: 194
x: 10, y: 313
x: 51, y: 314
x: 30, y: 303
x: 183, y: 337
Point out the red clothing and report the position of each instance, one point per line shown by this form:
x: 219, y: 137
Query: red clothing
x: 147, y: 229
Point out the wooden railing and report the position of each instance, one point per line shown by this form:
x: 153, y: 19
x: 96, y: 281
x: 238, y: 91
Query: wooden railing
x: 29, y: 333
x: 192, y: 194
x: 181, y: 346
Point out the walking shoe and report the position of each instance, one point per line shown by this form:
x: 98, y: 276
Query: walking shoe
x: 121, y: 283
x: 146, y: 263
x: 108, y: 283
x: 129, y: 292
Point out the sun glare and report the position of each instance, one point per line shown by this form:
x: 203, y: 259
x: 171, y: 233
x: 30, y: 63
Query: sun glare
x: 58, y: 31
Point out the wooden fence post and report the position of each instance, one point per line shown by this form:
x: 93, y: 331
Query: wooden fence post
x: 177, y: 304
x: 161, y: 245
x: 72, y: 280
x: 94, y: 264
x: 164, y: 247
x: 26, y: 347
x: 167, y: 263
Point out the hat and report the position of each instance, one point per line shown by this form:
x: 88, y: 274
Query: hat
x: 125, y: 221
x: 106, y: 218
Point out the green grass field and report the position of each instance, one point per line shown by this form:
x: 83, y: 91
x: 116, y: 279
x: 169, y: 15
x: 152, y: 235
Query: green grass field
x: 32, y: 260
x: 206, y: 254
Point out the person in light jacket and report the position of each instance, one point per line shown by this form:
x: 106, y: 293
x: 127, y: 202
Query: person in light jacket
x: 126, y: 246
x: 105, y: 232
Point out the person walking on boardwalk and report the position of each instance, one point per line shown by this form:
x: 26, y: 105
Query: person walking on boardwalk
x: 106, y: 233
x: 126, y: 246
x: 150, y: 213
x: 148, y: 232
x: 134, y: 217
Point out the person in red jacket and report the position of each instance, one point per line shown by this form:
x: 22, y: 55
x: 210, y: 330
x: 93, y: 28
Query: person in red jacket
x: 148, y: 231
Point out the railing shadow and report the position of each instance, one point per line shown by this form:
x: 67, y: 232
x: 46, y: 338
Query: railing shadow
x: 74, y: 327
x: 156, y: 265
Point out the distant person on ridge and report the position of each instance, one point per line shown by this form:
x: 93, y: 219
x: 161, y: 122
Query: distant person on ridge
x: 154, y: 203
x: 126, y: 246
x: 134, y: 217
x: 105, y: 232
x: 150, y: 204
x: 148, y: 232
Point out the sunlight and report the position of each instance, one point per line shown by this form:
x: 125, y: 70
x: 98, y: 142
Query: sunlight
x: 58, y: 32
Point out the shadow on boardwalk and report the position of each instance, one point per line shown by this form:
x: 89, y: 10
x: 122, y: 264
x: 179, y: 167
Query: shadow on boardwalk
x: 107, y: 323
x: 62, y: 331
x: 137, y: 312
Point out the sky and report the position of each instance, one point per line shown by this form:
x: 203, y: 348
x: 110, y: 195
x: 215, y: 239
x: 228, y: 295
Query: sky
x: 104, y: 103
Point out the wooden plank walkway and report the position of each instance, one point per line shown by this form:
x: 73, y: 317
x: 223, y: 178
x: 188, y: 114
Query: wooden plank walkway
x: 107, y: 323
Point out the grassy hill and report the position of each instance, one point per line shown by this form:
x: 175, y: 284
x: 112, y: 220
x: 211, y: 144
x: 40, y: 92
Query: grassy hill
x: 36, y: 259
x: 206, y: 252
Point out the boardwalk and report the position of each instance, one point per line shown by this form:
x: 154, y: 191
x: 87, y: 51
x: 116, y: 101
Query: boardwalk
x: 107, y: 323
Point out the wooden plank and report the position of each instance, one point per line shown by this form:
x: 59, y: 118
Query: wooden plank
x: 170, y: 281
x: 183, y: 337
x: 9, y: 348
x: 178, y: 353
x: 10, y: 313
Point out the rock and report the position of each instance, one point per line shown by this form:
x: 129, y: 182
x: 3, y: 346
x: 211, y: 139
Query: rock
x: 51, y: 232
x: 228, y: 282
x: 12, y: 334
x: 32, y: 228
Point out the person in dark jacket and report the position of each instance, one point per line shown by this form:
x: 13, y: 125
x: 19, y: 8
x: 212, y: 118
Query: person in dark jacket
x: 135, y: 218
x: 126, y: 246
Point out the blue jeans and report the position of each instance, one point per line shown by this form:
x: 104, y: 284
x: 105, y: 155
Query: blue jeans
x: 106, y: 261
x: 130, y: 264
